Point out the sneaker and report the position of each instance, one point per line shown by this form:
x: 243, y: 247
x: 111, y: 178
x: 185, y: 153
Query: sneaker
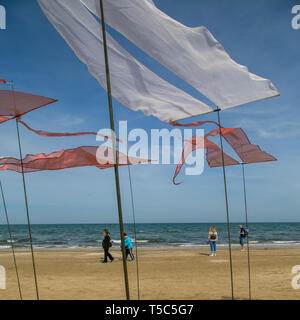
x: 132, y: 260
x: 211, y: 255
x: 104, y: 261
x: 112, y: 259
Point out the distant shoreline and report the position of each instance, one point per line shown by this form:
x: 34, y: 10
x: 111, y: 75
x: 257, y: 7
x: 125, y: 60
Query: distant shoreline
x: 153, y: 248
x: 141, y: 223
x: 170, y: 236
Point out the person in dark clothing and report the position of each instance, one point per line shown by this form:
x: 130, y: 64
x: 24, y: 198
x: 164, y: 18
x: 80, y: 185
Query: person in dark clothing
x: 106, y: 244
x: 243, y: 233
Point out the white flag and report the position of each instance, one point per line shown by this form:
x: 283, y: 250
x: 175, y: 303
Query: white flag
x: 191, y: 53
x: 133, y: 84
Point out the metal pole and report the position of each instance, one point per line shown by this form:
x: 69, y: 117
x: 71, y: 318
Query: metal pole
x: 27, y: 212
x: 246, y: 216
x: 11, y: 240
x: 112, y: 125
x: 25, y: 196
x: 227, y: 208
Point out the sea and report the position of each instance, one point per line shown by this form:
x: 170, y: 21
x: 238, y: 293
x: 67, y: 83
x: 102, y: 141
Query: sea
x: 149, y: 235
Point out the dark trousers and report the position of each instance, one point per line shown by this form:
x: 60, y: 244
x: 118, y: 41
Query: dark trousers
x: 107, y: 254
x: 129, y: 253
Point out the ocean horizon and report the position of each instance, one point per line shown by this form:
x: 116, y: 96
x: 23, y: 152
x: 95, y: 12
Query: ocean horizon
x: 149, y: 235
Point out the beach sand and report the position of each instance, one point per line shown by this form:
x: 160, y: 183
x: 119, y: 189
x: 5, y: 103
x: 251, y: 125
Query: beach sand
x: 164, y: 274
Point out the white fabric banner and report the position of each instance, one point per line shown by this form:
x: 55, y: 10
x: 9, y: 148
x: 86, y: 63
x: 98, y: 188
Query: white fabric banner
x: 133, y: 84
x: 191, y: 53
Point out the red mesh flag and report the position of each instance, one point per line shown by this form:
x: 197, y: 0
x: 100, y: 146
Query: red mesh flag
x: 240, y: 143
x: 2, y: 81
x: 214, y: 156
x: 4, y: 119
x: 62, y: 134
x: 248, y: 153
x: 70, y: 158
x: 193, y: 124
x: 213, y: 152
x: 238, y: 140
x: 16, y: 103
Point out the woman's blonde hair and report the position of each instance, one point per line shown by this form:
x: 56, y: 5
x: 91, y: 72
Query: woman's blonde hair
x: 212, y: 229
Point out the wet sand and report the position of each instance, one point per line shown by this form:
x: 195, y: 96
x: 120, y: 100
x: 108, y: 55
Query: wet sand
x: 164, y: 274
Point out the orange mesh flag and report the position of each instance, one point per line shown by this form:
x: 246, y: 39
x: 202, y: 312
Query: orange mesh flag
x: 100, y: 157
x: 17, y: 103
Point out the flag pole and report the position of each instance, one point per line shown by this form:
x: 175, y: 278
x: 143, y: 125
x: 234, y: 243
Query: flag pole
x: 246, y: 216
x: 112, y: 125
x: 25, y: 196
x: 226, y: 201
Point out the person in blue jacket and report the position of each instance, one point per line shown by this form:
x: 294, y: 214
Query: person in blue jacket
x: 243, y: 234
x: 128, y: 246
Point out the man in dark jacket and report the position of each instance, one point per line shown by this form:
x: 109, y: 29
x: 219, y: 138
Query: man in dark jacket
x: 106, y: 244
x: 243, y: 233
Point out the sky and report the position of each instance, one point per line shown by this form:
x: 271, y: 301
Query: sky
x: 257, y: 34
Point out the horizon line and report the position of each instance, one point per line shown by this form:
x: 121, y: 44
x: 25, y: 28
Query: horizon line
x: 115, y: 223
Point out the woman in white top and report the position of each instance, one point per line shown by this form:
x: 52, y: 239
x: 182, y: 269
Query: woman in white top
x: 212, y: 240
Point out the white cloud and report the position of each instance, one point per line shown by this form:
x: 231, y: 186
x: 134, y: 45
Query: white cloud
x: 271, y: 129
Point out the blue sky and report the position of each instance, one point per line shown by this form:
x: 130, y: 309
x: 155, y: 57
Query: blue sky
x: 257, y: 34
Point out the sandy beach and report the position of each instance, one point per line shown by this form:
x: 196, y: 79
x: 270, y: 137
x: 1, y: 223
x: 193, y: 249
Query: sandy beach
x: 164, y: 274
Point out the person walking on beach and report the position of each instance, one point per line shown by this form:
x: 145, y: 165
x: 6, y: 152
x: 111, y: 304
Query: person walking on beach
x: 128, y: 246
x: 212, y: 240
x: 243, y: 233
x: 106, y: 244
